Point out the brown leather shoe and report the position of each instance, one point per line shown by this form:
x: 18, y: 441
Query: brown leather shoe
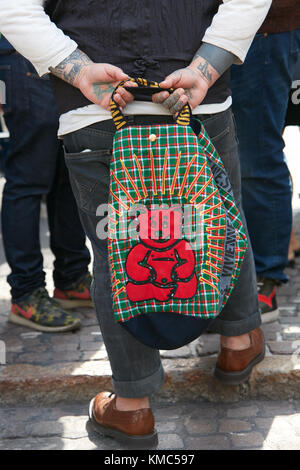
x: 234, y: 367
x: 134, y: 428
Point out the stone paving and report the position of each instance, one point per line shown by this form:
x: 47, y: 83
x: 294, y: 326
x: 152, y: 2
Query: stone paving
x: 24, y: 346
x: 253, y: 425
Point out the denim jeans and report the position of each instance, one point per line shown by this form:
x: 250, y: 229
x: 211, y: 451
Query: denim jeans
x: 260, y: 89
x: 34, y: 167
x: 137, y: 369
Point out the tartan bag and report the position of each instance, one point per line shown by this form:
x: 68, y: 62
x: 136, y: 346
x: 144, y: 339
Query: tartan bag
x: 175, y: 236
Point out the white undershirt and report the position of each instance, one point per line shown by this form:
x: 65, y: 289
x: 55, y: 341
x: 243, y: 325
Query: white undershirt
x: 83, y: 117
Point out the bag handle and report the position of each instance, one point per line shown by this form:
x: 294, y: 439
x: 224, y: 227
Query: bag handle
x: 183, y: 118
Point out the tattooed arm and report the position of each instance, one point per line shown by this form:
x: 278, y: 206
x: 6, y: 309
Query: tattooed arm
x: 193, y: 82
x: 95, y: 81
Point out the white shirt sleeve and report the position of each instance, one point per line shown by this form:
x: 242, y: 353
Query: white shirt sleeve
x: 234, y: 26
x: 26, y: 26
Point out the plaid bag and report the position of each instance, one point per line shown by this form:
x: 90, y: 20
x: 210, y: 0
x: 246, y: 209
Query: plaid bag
x: 175, y: 236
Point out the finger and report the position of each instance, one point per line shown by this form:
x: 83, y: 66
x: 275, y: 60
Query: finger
x: 119, y: 100
x: 160, y: 97
x: 179, y: 105
x: 173, y: 98
x: 116, y: 74
x: 125, y: 95
x: 131, y: 84
x: 172, y: 80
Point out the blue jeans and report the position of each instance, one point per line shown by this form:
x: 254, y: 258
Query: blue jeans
x: 137, y: 369
x: 260, y: 89
x: 34, y: 167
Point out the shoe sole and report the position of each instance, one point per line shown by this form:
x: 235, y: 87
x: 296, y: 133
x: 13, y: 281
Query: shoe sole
x: 146, y: 442
x: 69, y: 304
x: 12, y: 318
x: 236, y: 378
x: 270, y: 317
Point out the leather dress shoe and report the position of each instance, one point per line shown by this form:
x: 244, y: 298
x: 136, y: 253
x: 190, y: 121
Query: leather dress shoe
x: 133, y: 428
x: 235, y: 367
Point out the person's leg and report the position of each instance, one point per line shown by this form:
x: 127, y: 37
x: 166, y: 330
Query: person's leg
x: 29, y: 169
x: 242, y: 343
x: 28, y: 172
x: 241, y: 313
x: 260, y: 96
x: 136, y: 369
x: 67, y: 237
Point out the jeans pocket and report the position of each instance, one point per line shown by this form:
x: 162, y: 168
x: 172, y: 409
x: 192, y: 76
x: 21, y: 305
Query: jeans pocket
x: 89, y: 176
x: 221, y: 135
x: 219, y: 128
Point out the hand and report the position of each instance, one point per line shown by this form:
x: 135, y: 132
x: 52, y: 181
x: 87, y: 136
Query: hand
x: 97, y: 83
x: 191, y: 84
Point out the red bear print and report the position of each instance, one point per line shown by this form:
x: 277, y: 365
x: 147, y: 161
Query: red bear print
x: 162, y: 265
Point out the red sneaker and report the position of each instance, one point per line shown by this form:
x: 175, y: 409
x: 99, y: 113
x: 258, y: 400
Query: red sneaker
x: 77, y: 296
x: 267, y: 299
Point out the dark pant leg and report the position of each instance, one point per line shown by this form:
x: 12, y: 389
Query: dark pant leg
x: 136, y: 368
x: 29, y: 168
x: 241, y: 313
x: 67, y: 237
x: 261, y: 89
x: 33, y: 169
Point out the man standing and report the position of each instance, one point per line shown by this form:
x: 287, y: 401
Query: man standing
x: 260, y: 89
x: 89, y: 47
x: 34, y: 168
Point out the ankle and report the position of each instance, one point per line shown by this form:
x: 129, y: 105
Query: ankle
x: 132, y: 404
x: 237, y: 343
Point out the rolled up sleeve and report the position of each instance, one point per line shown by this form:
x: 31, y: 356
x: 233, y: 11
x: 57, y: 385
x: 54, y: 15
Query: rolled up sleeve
x: 29, y: 29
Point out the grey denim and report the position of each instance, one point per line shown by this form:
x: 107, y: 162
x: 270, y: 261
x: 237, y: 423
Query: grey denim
x: 136, y: 369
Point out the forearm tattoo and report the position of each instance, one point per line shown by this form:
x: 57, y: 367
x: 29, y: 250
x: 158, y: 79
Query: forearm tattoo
x: 203, y: 67
x: 70, y: 68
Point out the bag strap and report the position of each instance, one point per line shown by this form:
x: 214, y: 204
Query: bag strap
x: 183, y: 118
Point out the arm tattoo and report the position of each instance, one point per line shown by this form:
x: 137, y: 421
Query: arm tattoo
x: 69, y: 69
x: 203, y: 67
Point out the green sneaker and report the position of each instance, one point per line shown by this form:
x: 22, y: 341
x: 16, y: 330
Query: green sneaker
x: 40, y: 312
x: 78, y: 295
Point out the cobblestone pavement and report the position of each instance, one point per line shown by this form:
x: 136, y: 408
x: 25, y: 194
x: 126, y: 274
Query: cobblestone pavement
x: 261, y: 425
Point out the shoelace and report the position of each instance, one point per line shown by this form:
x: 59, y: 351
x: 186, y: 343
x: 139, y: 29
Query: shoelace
x: 45, y: 300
